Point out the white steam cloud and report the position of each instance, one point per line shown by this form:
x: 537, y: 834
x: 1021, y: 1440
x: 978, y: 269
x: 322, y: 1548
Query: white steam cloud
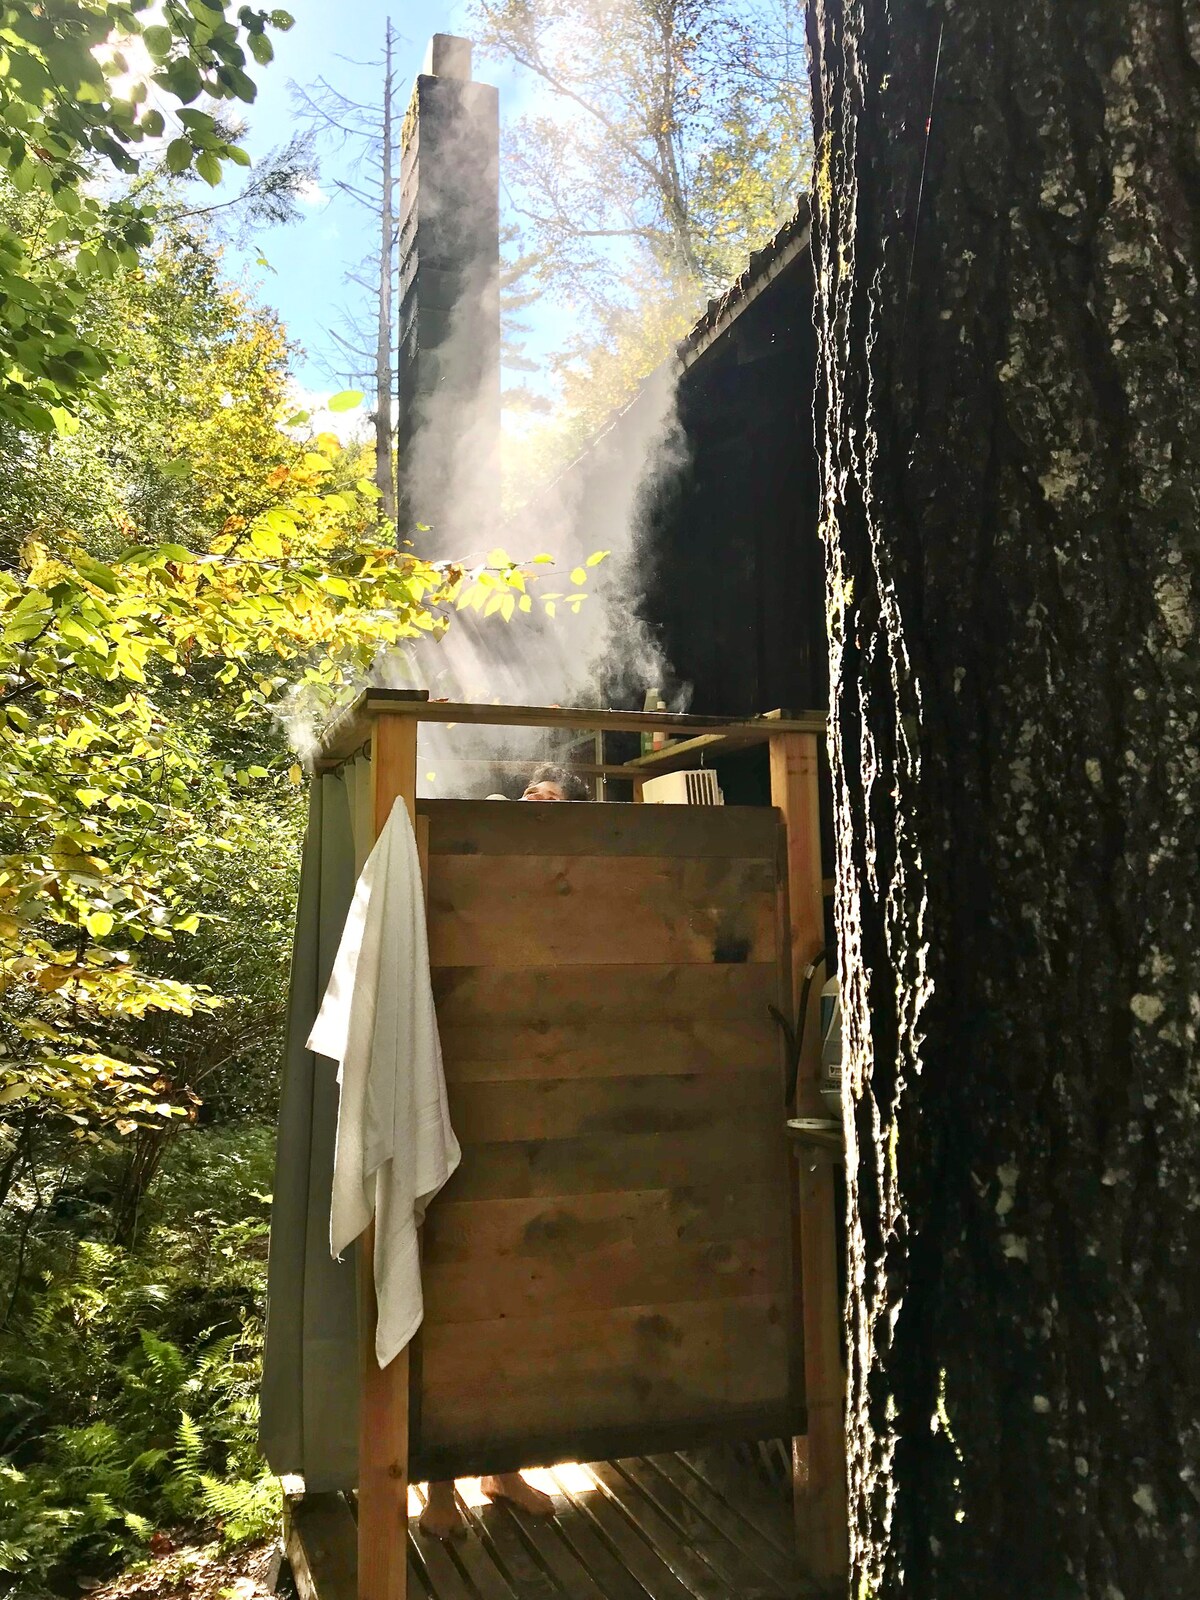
x: 604, y: 653
x: 601, y: 654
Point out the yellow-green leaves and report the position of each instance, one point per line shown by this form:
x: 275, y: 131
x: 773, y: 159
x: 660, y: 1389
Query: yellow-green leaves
x: 179, y: 155
x: 67, y: 133
x: 28, y: 617
x: 208, y: 166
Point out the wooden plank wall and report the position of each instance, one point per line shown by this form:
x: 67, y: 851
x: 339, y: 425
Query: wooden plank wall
x: 611, y: 1266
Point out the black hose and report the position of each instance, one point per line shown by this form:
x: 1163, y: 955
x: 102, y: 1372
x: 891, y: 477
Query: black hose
x: 795, y: 1037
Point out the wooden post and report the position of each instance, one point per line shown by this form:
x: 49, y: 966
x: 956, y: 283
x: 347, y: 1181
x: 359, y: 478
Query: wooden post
x: 383, y: 1407
x: 820, y: 1457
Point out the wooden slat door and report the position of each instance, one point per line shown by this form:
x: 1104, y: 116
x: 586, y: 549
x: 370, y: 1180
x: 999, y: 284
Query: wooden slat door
x: 611, y: 1267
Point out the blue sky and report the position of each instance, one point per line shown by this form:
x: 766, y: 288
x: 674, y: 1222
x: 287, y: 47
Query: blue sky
x: 309, y: 260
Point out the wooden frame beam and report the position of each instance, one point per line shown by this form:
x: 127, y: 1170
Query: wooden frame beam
x: 350, y: 732
x: 383, y: 1416
x: 819, y: 1474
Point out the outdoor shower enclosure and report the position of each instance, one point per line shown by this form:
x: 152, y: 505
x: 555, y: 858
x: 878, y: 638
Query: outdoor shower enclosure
x: 633, y: 1255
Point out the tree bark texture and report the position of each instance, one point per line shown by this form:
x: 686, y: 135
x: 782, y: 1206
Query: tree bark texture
x: 1008, y: 218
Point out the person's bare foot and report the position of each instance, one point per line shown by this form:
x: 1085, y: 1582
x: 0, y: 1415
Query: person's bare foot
x: 441, y: 1518
x: 511, y: 1486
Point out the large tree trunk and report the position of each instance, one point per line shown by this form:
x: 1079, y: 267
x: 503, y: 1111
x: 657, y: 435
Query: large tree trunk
x: 1009, y: 229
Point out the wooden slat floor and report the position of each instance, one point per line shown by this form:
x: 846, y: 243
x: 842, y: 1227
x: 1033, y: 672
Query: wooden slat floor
x: 700, y: 1526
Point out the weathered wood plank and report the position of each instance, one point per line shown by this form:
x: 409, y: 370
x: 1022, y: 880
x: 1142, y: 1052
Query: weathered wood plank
x: 743, y: 1488
x: 418, y: 1578
x: 739, y: 1148
x: 570, y: 1108
x: 568, y: 1228
x: 637, y: 1558
x: 602, y: 1368
x: 484, y: 828
x: 724, y: 1555
x: 516, y: 911
x: 585, y: 995
x: 441, y: 1575
x: 774, y: 1563
x: 356, y: 723
x: 554, y: 1553
x: 483, y: 1051
x: 322, y: 1548
x: 593, y: 1554
x: 494, y: 1526
x: 482, y: 1573
x: 626, y: 1274
x: 686, y: 1562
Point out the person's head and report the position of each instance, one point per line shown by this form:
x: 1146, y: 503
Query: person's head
x: 549, y: 782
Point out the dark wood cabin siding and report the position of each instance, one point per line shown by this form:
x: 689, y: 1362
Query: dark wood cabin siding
x: 735, y: 571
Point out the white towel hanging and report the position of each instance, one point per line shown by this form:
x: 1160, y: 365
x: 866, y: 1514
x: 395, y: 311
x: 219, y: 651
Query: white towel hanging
x: 395, y: 1146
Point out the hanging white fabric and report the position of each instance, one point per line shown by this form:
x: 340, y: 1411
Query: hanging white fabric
x: 395, y: 1146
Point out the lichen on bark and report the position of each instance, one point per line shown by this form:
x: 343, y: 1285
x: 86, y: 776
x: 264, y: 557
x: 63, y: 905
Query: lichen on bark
x: 1008, y: 232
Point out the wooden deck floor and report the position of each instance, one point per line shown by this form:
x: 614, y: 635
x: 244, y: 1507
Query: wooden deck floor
x: 700, y: 1526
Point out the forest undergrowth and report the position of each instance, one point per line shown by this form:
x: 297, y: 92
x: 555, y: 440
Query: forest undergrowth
x: 128, y: 1375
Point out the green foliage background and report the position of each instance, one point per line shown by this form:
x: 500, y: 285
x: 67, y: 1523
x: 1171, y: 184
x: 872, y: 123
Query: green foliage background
x: 186, y: 571
x: 129, y: 1393
x: 133, y: 1229
x: 184, y: 566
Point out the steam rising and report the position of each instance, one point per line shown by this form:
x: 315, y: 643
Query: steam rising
x: 601, y: 653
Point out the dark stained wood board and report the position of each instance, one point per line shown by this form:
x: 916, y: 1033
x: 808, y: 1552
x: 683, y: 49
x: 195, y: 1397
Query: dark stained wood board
x: 614, y: 1252
x: 608, y: 994
x: 625, y: 1274
x: 576, y: 1108
x: 479, y: 1051
x: 490, y: 828
x: 567, y: 1442
x: 568, y: 1227
x: 565, y: 1167
x: 527, y: 910
x: 625, y: 1371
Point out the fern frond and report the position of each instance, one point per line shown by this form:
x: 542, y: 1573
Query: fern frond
x: 189, y: 1447
x: 246, y: 1508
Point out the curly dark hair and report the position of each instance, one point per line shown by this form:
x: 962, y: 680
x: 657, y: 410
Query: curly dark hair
x: 571, y: 784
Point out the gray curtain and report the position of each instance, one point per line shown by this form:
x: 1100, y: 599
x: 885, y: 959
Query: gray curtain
x: 309, y: 1415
